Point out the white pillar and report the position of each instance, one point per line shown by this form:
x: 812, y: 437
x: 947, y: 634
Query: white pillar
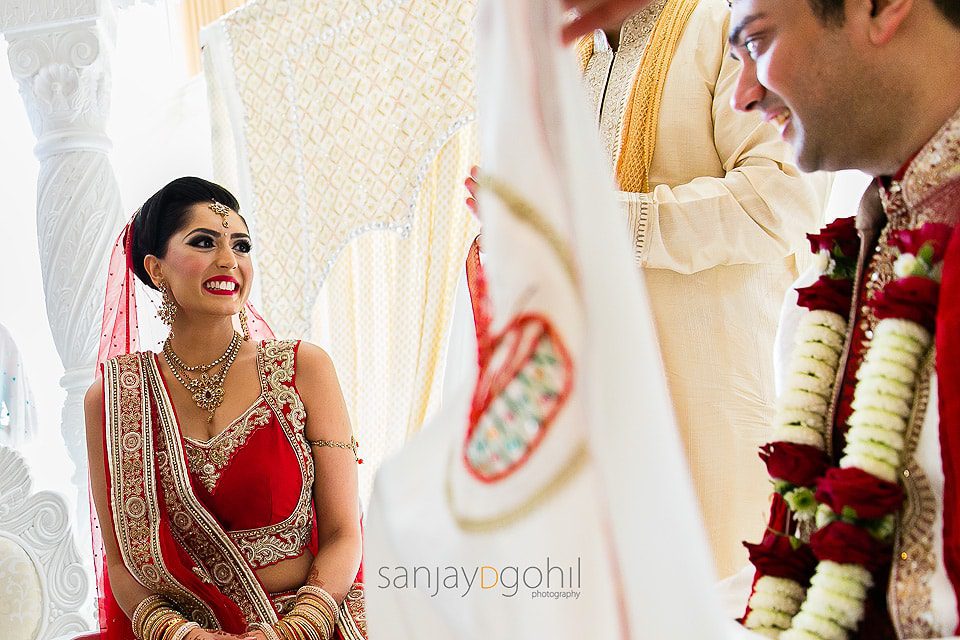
x: 59, y: 51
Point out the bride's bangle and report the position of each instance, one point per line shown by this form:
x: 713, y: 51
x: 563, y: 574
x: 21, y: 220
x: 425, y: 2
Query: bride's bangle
x: 186, y: 628
x: 146, y: 607
x: 306, y: 591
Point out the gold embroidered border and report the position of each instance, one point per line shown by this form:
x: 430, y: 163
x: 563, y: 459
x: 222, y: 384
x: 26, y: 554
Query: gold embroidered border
x: 935, y: 166
x: 641, y: 120
x: 133, y: 499
x: 909, y: 597
x: 194, y: 526
x: 568, y: 471
x: 352, y: 617
x: 208, y: 459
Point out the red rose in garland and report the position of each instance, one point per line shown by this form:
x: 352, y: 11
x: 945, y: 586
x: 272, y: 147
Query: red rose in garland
x: 913, y: 298
x: 778, y: 557
x: 838, y: 236
x: 798, y: 464
x: 934, y: 234
x: 828, y: 294
x: 850, y: 544
x: 869, y: 496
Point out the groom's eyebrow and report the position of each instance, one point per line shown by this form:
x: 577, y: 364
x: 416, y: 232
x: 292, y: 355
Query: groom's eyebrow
x: 737, y: 31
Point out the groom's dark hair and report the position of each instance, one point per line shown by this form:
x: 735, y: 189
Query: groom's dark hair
x: 831, y: 11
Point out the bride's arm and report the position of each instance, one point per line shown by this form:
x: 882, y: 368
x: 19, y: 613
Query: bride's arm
x: 126, y: 589
x: 335, y: 489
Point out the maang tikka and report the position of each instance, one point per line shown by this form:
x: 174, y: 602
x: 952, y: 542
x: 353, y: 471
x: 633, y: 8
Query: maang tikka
x: 221, y: 210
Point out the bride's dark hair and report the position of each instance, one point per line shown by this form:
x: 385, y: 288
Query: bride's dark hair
x: 164, y: 213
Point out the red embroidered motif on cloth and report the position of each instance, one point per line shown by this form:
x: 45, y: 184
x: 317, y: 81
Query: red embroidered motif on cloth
x: 526, y: 376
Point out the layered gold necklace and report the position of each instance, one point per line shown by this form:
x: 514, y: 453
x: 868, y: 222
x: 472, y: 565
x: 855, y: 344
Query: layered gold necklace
x: 206, y: 388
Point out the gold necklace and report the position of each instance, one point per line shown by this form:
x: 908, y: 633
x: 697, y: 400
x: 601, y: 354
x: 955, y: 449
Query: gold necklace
x: 168, y: 348
x: 206, y: 389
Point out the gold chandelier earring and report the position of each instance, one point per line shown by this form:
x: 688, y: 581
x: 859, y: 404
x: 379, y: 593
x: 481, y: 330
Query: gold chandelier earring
x: 243, y: 324
x: 168, y: 308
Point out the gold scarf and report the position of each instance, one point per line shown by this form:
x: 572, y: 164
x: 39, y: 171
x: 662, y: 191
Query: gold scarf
x: 642, y: 116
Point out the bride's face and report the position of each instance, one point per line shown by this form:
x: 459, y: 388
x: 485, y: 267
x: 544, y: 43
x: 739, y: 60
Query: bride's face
x: 207, y: 266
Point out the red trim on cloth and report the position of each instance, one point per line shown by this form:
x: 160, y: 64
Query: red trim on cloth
x: 518, y: 351
x: 948, y: 389
x: 779, y: 521
x: 477, y: 285
x: 492, y: 382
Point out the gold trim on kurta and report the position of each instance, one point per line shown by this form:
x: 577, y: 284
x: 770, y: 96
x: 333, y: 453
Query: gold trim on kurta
x: 642, y: 116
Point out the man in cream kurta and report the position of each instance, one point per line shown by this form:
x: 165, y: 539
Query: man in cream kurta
x: 717, y: 216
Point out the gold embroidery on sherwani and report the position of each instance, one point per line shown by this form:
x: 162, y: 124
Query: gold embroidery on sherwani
x: 196, y: 528
x: 935, y: 167
x: 909, y: 596
x: 133, y: 496
x: 287, y: 539
x: 207, y: 460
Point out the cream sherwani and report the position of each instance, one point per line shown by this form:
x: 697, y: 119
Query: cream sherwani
x: 716, y: 237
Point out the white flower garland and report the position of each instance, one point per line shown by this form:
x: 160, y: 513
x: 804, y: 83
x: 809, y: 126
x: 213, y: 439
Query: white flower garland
x: 875, y: 444
x: 800, y: 418
x: 834, y: 605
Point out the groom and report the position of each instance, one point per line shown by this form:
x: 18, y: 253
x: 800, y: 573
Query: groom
x: 874, y: 85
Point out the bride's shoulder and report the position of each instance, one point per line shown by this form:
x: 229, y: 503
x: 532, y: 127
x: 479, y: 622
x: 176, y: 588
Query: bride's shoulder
x: 309, y: 359
x: 311, y: 355
x: 127, y: 359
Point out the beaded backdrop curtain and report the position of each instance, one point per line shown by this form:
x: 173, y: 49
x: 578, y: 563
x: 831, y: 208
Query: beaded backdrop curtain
x: 345, y: 128
x: 384, y: 311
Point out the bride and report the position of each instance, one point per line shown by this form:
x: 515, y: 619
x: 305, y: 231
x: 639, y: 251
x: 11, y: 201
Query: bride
x: 223, y: 469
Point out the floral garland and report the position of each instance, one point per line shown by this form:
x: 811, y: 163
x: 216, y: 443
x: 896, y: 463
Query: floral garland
x: 817, y: 590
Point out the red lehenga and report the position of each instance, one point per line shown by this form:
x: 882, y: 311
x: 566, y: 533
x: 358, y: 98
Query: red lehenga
x: 194, y: 520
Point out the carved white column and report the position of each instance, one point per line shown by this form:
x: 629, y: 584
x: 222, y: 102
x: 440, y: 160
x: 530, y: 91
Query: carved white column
x: 59, y: 51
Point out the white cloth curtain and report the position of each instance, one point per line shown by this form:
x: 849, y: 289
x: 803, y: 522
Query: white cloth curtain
x: 624, y: 511
x: 344, y: 127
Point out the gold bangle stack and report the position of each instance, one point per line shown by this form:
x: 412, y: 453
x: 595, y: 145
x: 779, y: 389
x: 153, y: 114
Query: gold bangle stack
x: 313, y: 617
x: 155, y: 619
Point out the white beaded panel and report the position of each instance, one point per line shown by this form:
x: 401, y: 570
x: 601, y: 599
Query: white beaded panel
x: 339, y: 109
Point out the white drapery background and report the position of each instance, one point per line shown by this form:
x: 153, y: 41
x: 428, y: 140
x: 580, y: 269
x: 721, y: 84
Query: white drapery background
x: 345, y: 128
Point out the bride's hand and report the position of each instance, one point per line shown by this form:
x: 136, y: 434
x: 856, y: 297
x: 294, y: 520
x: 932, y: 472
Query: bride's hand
x: 471, y: 184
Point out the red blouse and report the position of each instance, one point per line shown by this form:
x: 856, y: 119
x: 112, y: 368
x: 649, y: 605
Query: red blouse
x: 256, y: 476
